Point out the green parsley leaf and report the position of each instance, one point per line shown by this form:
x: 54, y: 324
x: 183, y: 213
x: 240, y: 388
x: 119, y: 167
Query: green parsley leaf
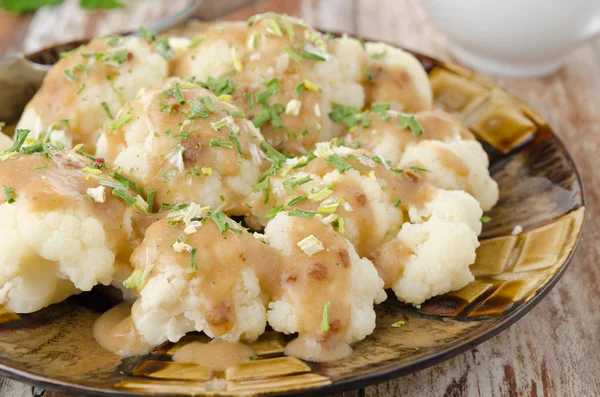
x: 417, y: 168
x: 347, y: 114
x: 397, y: 203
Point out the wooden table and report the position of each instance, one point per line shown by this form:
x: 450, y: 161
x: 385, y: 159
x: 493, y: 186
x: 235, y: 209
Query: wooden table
x: 555, y: 349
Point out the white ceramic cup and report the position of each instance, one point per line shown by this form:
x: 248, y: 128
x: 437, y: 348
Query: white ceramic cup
x: 517, y: 38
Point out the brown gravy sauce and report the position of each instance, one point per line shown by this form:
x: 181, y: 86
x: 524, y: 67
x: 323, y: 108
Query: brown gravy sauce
x: 114, y: 331
x: 216, y: 355
x: 56, y: 183
x: 182, y: 186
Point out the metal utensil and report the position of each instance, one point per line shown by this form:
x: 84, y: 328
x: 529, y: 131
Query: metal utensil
x: 21, y: 75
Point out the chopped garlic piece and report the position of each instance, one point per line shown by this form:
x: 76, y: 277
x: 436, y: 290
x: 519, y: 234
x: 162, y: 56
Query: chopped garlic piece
x: 180, y: 246
x: 317, y: 110
x: 293, y: 107
x: 98, y: 194
x: 311, y: 245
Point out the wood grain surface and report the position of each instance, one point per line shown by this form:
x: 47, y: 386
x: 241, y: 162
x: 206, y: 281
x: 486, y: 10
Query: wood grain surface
x: 555, y: 349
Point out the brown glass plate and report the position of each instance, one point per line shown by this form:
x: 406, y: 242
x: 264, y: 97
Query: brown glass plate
x: 540, y: 191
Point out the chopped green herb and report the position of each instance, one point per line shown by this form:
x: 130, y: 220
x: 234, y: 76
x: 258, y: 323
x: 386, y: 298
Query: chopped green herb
x: 196, y: 41
x: 126, y: 197
x: 398, y: 324
x: 113, y: 125
x: 417, y: 168
x: 271, y: 152
x: 293, y: 54
x: 485, y: 219
x: 70, y: 75
x: 379, y: 55
x: 80, y: 89
x: 253, y: 358
x: 147, y: 34
x: 293, y: 182
x: 296, y: 200
x: 10, y: 194
x: 301, y: 213
x: 262, y: 117
x: 347, y: 114
x: 226, y: 144
x: 208, y: 104
x: 38, y: 147
x: 124, y: 180
x: 137, y: 279
x: 193, y: 263
x: 338, y: 163
x: 236, y: 142
x: 19, y: 141
x: 150, y: 199
x: 107, y: 110
x: 312, y: 56
x: 397, y: 203
x: 163, y: 47
x: 274, y: 211
x: 397, y: 170
x: 380, y: 107
x: 325, y: 321
x: 409, y: 121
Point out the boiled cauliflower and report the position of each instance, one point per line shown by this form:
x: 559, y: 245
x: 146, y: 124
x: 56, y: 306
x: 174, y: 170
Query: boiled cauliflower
x: 282, y: 73
x: 85, y: 90
x: 388, y: 133
x: 198, y: 270
x: 56, y: 241
x: 188, y: 145
x: 329, y: 291
x: 455, y: 165
x: 429, y: 259
x: 398, y: 78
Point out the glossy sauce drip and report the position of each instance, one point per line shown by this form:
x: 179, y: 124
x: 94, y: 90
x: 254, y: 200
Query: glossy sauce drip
x: 312, y: 282
x: 59, y: 98
x: 56, y: 184
x: 114, y: 331
x: 221, y: 257
x: 216, y: 355
x: 389, y: 259
x: 452, y: 161
x: 200, y: 148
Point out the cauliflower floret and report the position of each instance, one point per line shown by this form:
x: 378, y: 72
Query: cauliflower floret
x: 456, y: 165
x: 449, y: 206
x: 423, y: 260
x: 5, y: 142
x: 215, y: 287
x: 86, y: 89
x: 388, y: 135
x: 53, y: 241
x: 284, y: 75
x: 329, y: 291
x: 397, y: 78
x: 186, y: 144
